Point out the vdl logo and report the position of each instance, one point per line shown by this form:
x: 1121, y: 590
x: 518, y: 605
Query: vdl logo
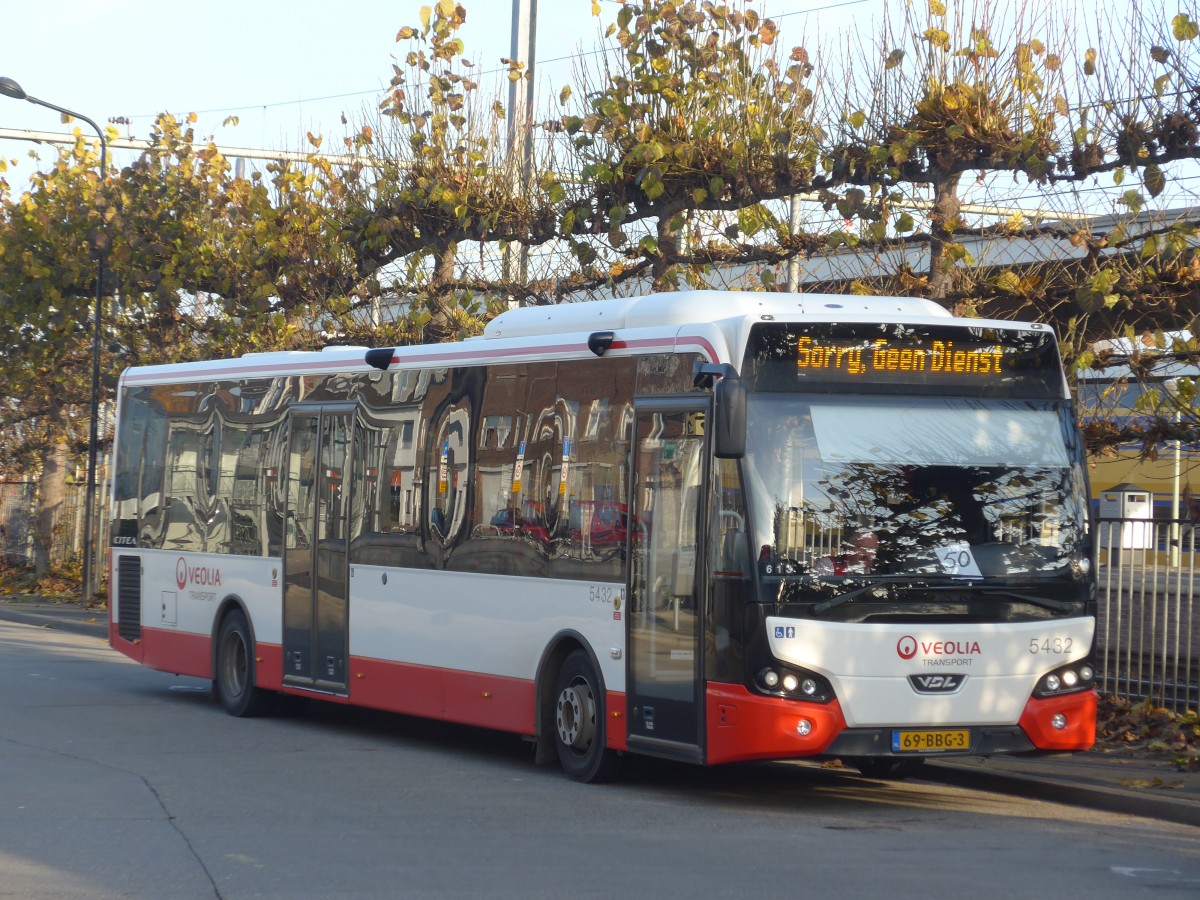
x: 906, y: 647
x: 936, y: 684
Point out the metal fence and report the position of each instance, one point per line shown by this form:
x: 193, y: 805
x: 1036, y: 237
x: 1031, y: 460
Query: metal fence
x: 19, y: 532
x: 1148, y: 628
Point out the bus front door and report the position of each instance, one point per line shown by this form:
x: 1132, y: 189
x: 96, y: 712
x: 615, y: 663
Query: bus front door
x: 664, y: 695
x: 315, y: 601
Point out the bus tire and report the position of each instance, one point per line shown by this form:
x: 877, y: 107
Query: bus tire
x: 885, y: 767
x: 579, y: 723
x: 235, y: 670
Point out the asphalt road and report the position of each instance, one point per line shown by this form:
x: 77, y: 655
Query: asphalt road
x: 116, y: 781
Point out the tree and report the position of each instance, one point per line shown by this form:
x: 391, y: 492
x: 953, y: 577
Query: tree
x: 439, y: 178
x: 48, y: 241
x: 694, y: 111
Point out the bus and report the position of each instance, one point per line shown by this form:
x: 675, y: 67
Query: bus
x: 703, y: 526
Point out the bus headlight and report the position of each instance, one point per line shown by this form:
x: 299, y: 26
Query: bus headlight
x: 1077, y: 676
x: 794, y: 684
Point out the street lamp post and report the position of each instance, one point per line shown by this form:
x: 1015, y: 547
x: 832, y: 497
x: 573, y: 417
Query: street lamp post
x: 10, y: 88
x: 1171, y: 385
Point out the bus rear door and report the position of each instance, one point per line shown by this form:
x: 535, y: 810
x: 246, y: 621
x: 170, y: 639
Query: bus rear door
x: 315, y: 602
x: 664, y: 621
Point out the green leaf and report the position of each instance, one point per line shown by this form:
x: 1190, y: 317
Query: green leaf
x: 1008, y: 282
x: 938, y: 38
x: 858, y: 119
x: 1133, y: 200
x: 652, y: 187
x: 1154, y: 180
x: 904, y: 223
x: 1184, y: 28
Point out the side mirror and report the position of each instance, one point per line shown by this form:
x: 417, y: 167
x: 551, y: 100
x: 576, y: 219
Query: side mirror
x: 729, y: 433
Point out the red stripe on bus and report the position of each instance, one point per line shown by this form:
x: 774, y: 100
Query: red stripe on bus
x: 743, y: 726
x: 615, y: 727
x: 268, y: 665
x: 130, y: 648
x: 471, y: 354
x: 177, y: 651
x: 667, y: 343
x: 471, y: 698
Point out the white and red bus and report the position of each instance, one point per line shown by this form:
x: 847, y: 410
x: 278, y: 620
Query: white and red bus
x: 705, y: 526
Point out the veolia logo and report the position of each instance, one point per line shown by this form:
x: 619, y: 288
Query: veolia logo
x: 906, y: 647
x: 201, y: 575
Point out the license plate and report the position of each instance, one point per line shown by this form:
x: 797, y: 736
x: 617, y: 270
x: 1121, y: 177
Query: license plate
x: 930, y: 741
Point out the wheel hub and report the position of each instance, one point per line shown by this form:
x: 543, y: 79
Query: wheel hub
x: 576, y: 716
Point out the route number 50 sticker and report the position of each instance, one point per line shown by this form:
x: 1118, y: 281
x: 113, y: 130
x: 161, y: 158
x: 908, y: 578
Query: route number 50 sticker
x: 956, y: 558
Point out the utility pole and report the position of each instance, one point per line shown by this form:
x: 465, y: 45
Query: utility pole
x: 793, y: 266
x: 520, y: 120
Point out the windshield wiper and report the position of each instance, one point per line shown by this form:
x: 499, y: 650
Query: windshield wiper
x: 886, y: 582
x: 1045, y: 603
x: 907, y: 584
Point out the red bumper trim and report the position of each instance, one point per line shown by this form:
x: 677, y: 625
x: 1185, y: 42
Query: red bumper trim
x: 743, y: 726
x: 1080, y: 712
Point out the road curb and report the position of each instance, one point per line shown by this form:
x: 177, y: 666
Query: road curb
x: 1159, y: 806
x: 90, y: 623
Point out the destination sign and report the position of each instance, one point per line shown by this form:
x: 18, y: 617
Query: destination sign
x: 881, y: 356
x: 889, y: 358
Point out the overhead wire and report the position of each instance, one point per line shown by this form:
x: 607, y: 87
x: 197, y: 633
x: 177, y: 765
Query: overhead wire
x: 496, y: 71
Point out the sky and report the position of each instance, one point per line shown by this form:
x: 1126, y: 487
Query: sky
x: 283, y: 69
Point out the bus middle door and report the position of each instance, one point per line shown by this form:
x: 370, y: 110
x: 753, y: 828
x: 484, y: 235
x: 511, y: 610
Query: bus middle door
x: 664, y: 686
x: 315, y: 564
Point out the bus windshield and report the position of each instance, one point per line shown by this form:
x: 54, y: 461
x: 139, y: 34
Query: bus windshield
x: 966, y: 489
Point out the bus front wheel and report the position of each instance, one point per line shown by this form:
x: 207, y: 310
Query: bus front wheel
x: 235, y: 670
x: 579, y: 726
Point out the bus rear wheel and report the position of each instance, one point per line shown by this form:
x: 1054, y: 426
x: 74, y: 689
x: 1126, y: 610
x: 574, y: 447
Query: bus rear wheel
x: 886, y: 767
x: 579, y: 726
x: 235, y: 670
